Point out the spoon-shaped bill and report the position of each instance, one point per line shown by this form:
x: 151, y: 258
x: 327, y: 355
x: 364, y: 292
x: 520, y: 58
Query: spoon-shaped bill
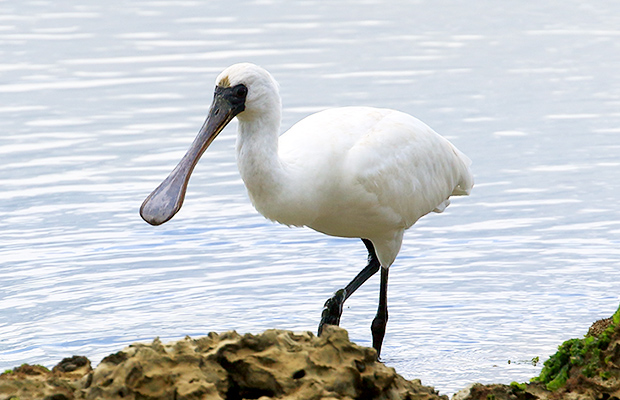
x: 166, y: 200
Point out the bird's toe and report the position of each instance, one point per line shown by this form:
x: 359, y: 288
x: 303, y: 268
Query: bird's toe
x: 332, y: 310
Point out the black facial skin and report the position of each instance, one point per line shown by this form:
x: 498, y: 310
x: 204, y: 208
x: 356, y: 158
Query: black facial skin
x: 235, y: 96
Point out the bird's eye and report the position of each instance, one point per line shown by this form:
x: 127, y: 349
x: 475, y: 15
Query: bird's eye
x: 240, y: 91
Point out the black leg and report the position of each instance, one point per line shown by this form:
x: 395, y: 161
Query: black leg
x: 380, y: 321
x: 332, y: 310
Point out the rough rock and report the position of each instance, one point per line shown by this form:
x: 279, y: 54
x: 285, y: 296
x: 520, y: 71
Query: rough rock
x: 298, y: 366
x: 37, y: 382
x: 273, y: 365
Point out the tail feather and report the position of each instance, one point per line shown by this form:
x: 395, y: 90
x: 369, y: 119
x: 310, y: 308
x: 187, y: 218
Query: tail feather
x: 441, y: 207
x: 463, y: 188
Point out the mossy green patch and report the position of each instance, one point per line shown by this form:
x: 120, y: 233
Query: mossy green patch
x: 585, y: 354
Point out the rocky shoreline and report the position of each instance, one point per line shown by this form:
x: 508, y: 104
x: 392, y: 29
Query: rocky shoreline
x: 281, y: 364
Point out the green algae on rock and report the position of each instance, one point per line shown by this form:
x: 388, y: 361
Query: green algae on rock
x: 581, y: 369
x: 588, y: 357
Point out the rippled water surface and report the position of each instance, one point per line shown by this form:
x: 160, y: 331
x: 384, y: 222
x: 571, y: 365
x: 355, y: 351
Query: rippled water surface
x: 98, y: 101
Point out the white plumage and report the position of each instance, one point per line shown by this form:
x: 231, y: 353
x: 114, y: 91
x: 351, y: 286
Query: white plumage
x: 353, y: 172
x: 357, y: 172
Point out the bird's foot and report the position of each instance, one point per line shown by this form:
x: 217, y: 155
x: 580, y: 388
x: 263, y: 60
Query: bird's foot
x: 332, y: 310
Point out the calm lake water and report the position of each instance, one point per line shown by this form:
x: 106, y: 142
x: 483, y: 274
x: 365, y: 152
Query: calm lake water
x: 99, y: 101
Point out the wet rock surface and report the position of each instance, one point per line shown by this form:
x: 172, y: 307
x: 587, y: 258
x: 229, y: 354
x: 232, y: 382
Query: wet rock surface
x: 275, y: 364
x: 286, y: 365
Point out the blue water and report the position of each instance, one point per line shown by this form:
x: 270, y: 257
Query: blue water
x: 99, y: 101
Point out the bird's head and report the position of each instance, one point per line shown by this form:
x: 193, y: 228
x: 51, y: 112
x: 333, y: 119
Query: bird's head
x: 245, y: 91
x: 261, y: 90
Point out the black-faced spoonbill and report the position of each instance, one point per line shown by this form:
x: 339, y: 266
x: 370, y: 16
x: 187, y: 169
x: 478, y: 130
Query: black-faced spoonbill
x: 358, y: 172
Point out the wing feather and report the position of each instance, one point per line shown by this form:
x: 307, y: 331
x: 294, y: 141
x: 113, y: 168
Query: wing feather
x: 409, y: 167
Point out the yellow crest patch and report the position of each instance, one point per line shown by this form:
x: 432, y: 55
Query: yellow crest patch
x: 224, y: 82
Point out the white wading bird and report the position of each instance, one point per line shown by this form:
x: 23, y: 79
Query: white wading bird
x: 359, y: 172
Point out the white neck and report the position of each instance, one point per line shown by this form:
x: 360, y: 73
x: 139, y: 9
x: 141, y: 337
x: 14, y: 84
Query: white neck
x: 257, y: 159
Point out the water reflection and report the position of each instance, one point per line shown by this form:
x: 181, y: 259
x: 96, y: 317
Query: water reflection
x: 99, y: 101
